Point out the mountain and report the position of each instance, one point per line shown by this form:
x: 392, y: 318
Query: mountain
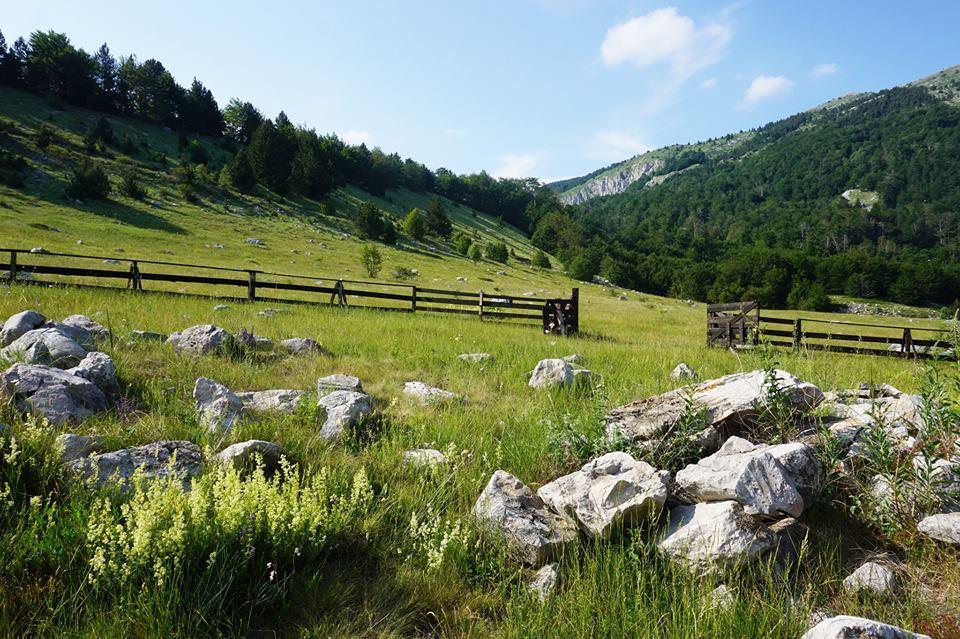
x: 654, y: 167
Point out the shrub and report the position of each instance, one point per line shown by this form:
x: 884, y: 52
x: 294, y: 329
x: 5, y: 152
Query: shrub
x: 540, y: 260
x: 44, y: 137
x: 88, y: 181
x: 102, y: 131
x: 13, y: 169
x: 404, y: 273
x: 463, y: 244
x: 415, y: 225
x: 438, y: 222
x: 371, y: 259
x: 497, y: 252
x: 369, y: 222
x: 131, y: 187
x: 196, y: 153
x: 241, y: 172
x: 476, y: 254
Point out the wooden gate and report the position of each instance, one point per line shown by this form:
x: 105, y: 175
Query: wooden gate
x: 731, y: 325
x: 562, y: 316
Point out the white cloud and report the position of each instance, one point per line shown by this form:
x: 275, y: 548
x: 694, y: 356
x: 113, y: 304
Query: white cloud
x: 617, y: 145
x: 356, y: 137
x: 664, y: 36
x: 821, y: 70
x: 519, y: 165
x: 709, y: 83
x: 765, y: 87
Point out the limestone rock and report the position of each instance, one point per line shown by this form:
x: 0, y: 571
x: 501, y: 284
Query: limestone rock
x: 944, y: 527
x: 476, y: 358
x: 159, y: 460
x: 47, y: 346
x: 217, y: 406
x: 342, y: 410
x: 424, y: 457
x: 148, y: 336
x: 544, y: 582
x: 98, y: 331
x: 301, y: 346
x: 872, y: 577
x: 57, y: 395
x: 721, y: 597
x: 17, y: 325
x: 243, y: 455
x: 728, y: 401
x: 205, y: 339
x: 846, y: 627
x: 559, y: 373
x: 73, y: 447
x: 99, y: 368
x: 715, y: 535
x: 612, y: 490
x: 682, y: 371
x: 338, y: 381
x: 575, y: 358
x: 273, y: 401
x: 426, y: 394
x: 509, y: 508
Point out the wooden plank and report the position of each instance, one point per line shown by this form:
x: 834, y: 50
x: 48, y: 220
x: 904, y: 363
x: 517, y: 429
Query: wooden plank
x: 192, y: 279
x: 72, y: 271
x: 731, y: 306
x: 775, y: 320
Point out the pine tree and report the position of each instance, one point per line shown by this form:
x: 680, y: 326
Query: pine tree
x: 369, y: 222
x: 241, y: 173
x: 200, y: 111
x: 106, y: 73
x: 438, y: 222
x: 415, y: 225
x: 540, y: 260
x: 269, y: 159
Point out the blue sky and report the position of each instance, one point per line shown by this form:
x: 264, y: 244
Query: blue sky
x: 545, y: 88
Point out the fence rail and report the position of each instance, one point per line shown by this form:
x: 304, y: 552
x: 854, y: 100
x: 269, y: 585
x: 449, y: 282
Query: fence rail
x: 824, y: 334
x: 22, y: 266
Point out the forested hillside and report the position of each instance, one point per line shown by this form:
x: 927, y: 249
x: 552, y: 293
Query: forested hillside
x: 861, y: 197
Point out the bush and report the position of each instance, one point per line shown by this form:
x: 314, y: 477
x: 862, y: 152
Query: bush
x: 371, y: 259
x: 497, y: 252
x: 438, y: 222
x: 102, y: 131
x: 44, y: 137
x: 196, y: 153
x: 88, y: 181
x: 476, y: 254
x: 13, y: 169
x: 241, y: 173
x: 131, y: 187
x: 463, y: 244
x: 369, y: 222
x: 415, y: 224
x: 540, y: 260
x: 404, y: 273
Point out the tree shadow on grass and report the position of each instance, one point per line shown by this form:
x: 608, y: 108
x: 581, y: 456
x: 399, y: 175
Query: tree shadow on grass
x: 129, y: 215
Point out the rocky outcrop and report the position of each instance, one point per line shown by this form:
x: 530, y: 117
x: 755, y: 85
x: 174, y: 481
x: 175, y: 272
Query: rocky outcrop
x: 56, y: 394
x: 612, y: 182
x: 509, y: 508
x: 159, y: 460
x: 342, y: 410
x: 610, y: 492
x: 846, y: 627
x: 99, y: 368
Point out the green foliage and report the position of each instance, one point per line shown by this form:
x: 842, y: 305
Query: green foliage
x: 13, y: 169
x: 540, y: 260
x: 88, y: 181
x: 415, y: 224
x: 241, y: 173
x: 371, y: 259
x: 438, y: 222
x: 197, y: 153
x: 270, y: 157
x: 496, y: 252
x: 476, y: 253
x: 241, y: 120
x: 369, y: 221
x: 131, y: 186
x: 44, y: 137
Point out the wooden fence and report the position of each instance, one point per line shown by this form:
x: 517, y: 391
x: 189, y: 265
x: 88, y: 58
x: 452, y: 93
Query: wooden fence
x: 555, y: 315
x: 728, y: 326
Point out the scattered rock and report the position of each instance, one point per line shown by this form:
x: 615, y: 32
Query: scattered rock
x: 729, y: 401
x: 475, y: 358
x: 612, y: 491
x: 255, y: 241
x: 944, y: 527
x: 260, y: 343
x: 342, y: 410
x: 746, y: 474
x: 424, y: 457
x: 682, y: 371
x: 99, y: 368
x: 846, y: 627
x: 217, y: 406
x: 148, y: 336
x: 461, y: 279
x: 338, y: 381
x: 872, y: 577
x: 544, y: 582
x: 301, y: 346
x: 19, y: 324
x: 273, y: 401
x: 205, y: 339
x: 39, y: 249
x: 73, y: 447
x: 573, y: 359
x: 97, y: 331
x: 715, y: 535
x: 56, y: 394
x: 47, y: 346
x: 721, y: 597
x: 509, y: 508
x: 558, y: 373
x: 244, y: 455
x: 222, y: 307
x: 159, y: 460
x: 426, y: 394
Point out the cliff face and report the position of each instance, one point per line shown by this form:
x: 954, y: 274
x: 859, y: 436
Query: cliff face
x: 613, y: 182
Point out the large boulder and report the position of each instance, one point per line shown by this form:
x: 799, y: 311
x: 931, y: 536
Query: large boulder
x: 245, y: 454
x: 47, y: 346
x: 205, y: 339
x: 751, y: 475
x: 611, y: 491
x: 728, y: 402
x: 342, y: 410
x: 715, y: 535
x: 56, y: 394
x: 72, y: 447
x: 338, y: 381
x: 17, y: 325
x: 560, y: 373
x: 217, y: 406
x: 943, y: 527
x: 97, y: 331
x: 426, y: 394
x: 273, y: 401
x: 533, y: 533
x: 99, y: 368
x: 159, y: 460
x: 846, y: 627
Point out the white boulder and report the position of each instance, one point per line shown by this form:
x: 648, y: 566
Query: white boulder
x: 342, y: 410
x: 217, y: 406
x: 715, y: 535
x: 426, y: 394
x: 943, y: 527
x: 281, y: 401
x: 871, y: 577
x: 846, y: 627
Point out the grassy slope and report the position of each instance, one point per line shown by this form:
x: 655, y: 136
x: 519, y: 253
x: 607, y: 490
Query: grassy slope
x: 614, y: 589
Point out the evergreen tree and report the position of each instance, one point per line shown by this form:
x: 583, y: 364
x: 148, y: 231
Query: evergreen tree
x: 241, y: 173
x: 438, y: 222
x: 496, y: 252
x: 12, y: 63
x: 369, y: 222
x: 540, y: 260
x: 415, y: 225
x: 55, y: 68
x: 106, y: 73
x: 463, y: 244
x: 241, y: 120
x: 269, y: 158
x: 200, y: 111
x: 311, y: 171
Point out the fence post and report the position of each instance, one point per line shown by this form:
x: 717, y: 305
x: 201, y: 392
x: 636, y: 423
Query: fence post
x: 797, y: 333
x: 413, y: 299
x: 13, y: 266
x: 251, y: 286
x: 481, y: 304
x: 135, y: 283
x: 575, y: 309
x: 906, y: 346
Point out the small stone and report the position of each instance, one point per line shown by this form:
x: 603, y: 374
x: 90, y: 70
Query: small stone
x: 721, y: 597
x: 338, y: 381
x: 871, y: 577
x: 943, y: 527
x: 475, y: 358
x: 544, y: 582
x: 846, y: 627
x: 301, y: 346
x: 281, y: 401
x: 19, y: 324
x: 74, y: 447
x: 243, y: 455
x: 221, y: 307
x: 424, y: 457
x: 217, y: 406
x: 426, y: 394
x: 97, y: 331
x: 205, y: 339
x: 147, y: 336
x: 682, y: 371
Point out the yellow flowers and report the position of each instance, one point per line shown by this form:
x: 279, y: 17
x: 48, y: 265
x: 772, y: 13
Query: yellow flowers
x: 162, y: 528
